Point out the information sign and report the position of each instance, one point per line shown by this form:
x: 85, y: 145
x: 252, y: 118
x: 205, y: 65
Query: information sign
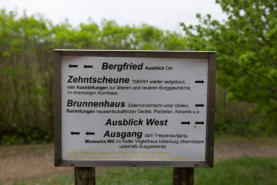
x: 134, y: 108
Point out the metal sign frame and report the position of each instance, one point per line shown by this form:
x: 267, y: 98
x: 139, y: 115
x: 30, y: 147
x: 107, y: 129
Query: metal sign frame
x: 210, y: 55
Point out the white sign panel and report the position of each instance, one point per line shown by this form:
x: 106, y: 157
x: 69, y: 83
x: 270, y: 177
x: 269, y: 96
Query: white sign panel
x: 133, y: 109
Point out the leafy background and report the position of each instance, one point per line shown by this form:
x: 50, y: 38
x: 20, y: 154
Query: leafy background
x: 246, y: 45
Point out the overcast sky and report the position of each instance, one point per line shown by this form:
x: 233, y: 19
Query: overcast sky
x: 165, y: 14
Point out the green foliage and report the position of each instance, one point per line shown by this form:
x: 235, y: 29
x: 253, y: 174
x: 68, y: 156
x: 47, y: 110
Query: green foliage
x: 25, y: 73
x: 238, y: 118
x: 246, y: 65
x: 26, y: 66
x: 243, y: 171
x: 246, y: 45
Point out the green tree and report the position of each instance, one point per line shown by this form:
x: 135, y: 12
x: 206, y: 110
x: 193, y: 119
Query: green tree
x: 246, y: 45
x: 26, y: 65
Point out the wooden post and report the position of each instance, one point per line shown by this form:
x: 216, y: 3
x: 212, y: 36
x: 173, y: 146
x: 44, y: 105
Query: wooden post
x: 84, y: 175
x: 183, y: 176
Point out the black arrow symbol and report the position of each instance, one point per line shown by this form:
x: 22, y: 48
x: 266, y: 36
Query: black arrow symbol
x: 75, y: 133
x: 71, y: 65
x: 88, y: 66
x: 199, y: 122
x: 199, y: 105
x: 199, y: 81
x: 185, y: 122
x: 90, y: 133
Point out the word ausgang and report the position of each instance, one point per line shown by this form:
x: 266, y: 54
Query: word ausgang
x: 123, y: 135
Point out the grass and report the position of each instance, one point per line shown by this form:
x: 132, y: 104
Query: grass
x: 243, y: 171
